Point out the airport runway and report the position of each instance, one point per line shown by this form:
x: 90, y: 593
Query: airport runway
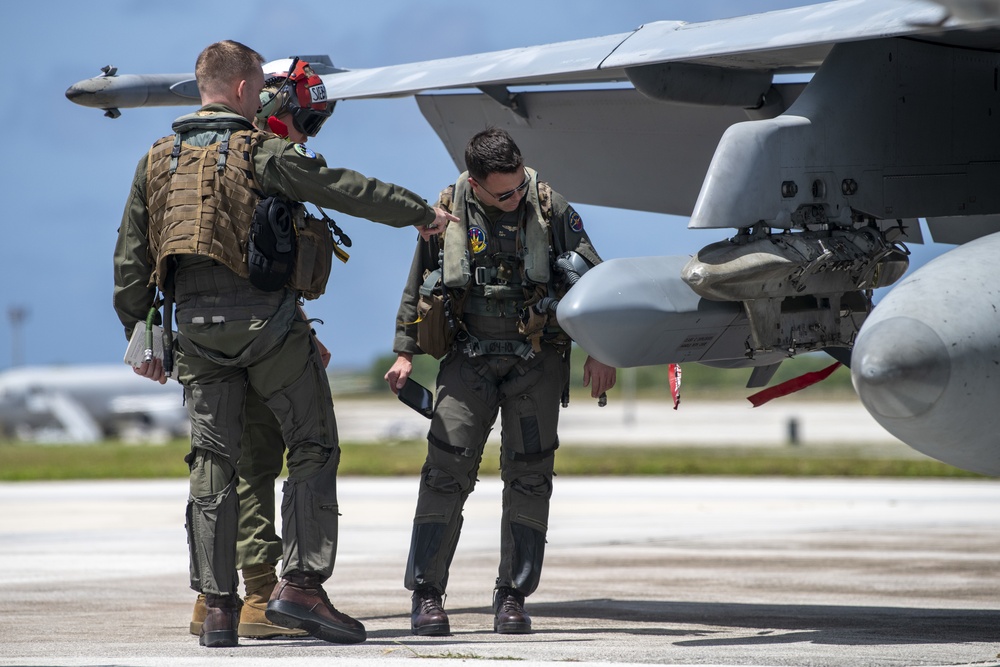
x: 667, y: 570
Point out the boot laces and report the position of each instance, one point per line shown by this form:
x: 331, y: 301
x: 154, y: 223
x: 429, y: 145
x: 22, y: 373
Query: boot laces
x: 430, y: 601
x: 510, y: 600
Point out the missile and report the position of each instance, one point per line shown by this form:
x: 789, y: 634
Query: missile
x: 112, y: 91
x: 637, y: 311
x: 926, y: 363
x: 751, y: 301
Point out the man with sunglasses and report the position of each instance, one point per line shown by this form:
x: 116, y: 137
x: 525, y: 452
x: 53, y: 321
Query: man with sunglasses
x: 185, y: 231
x: 501, y: 264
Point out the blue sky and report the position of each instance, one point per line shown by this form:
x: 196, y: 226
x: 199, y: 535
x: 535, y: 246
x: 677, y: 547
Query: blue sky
x: 68, y: 168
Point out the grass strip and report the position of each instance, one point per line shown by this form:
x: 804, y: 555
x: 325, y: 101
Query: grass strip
x: 114, y: 460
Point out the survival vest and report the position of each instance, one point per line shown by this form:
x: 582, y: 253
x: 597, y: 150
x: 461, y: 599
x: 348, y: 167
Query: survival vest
x: 535, y: 237
x: 534, y: 256
x: 201, y: 191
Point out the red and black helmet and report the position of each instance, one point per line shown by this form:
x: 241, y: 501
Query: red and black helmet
x: 302, y: 94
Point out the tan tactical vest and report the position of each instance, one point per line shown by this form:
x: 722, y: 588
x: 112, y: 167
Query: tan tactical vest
x: 201, y: 200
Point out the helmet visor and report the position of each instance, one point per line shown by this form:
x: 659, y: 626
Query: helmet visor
x: 309, y: 121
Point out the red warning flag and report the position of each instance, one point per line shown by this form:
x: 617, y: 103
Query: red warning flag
x: 791, y: 386
x: 674, y: 371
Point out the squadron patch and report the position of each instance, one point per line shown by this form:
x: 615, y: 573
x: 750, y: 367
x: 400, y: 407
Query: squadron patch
x: 478, y: 239
x: 303, y: 151
x: 575, y: 222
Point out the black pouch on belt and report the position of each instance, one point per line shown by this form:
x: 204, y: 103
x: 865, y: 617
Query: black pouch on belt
x: 271, y: 246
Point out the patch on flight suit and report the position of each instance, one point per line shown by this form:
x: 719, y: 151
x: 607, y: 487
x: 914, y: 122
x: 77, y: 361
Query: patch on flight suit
x: 478, y: 238
x: 575, y: 222
x: 303, y: 151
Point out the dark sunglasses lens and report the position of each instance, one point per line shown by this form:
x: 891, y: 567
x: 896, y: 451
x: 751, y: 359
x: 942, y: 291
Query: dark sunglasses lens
x: 507, y: 195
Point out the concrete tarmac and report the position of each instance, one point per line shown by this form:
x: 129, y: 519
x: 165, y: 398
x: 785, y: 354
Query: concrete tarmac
x: 665, y: 570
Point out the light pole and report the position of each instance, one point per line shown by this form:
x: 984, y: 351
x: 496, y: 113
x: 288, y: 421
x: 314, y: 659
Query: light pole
x: 16, y: 315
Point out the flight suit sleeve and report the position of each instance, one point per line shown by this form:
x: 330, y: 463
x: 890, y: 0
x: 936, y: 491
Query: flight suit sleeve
x: 568, y: 232
x: 302, y: 175
x: 133, y: 295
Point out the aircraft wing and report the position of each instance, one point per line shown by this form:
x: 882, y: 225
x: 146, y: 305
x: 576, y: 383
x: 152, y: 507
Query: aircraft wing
x: 778, y: 42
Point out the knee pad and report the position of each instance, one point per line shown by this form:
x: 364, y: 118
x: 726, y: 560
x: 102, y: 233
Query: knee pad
x: 440, y: 481
x: 535, y: 485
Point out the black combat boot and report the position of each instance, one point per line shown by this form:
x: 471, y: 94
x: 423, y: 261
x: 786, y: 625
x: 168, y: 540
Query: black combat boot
x: 299, y: 601
x: 509, y: 617
x: 221, y: 620
x: 427, y: 616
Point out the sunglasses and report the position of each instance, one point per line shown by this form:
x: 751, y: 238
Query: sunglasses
x: 510, y: 193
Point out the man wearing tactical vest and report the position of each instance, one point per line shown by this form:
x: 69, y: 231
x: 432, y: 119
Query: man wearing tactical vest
x: 514, y: 250
x: 185, y: 232
x: 258, y: 547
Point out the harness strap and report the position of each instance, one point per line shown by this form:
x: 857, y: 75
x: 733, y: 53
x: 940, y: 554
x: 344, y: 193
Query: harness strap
x: 475, y: 347
x: 223, y: 152
x: 175, y: 154
x: 535, y: 456
x: 451, y: 449
x: 432, y: 279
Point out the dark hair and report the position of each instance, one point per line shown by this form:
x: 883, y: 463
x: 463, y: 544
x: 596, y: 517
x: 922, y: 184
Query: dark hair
x: 224, y: 63
x: 492, y: 151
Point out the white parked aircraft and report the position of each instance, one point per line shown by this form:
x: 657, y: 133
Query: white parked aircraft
x: 87, y: 403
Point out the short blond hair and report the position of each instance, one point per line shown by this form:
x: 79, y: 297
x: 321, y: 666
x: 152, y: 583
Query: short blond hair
x: 223, y: 65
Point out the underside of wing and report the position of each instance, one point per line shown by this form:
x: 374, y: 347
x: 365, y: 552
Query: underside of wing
x: 612, y: 147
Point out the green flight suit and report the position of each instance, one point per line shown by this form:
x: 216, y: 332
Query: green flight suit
x: 487, y: 374
x: 263, y: 454
x: 231, y: 336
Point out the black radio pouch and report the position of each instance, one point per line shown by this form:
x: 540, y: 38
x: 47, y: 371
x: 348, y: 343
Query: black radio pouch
x: 271, y: 246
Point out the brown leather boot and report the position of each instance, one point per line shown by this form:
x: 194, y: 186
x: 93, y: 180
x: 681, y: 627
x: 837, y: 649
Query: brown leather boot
x: 259, y: 582
x: 219, y: 628
x: 509, y: 617
x: 198, y: 615
x: 299, y: 601
x: 427, y: 616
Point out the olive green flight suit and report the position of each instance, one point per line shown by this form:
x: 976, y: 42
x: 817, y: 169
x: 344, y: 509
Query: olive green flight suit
x: 262, y: 455
x: 232, y: 336
x: 489, y: 373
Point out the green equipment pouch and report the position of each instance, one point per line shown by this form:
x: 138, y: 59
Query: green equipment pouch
x: 436, y: 323
x: 314, y: 251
